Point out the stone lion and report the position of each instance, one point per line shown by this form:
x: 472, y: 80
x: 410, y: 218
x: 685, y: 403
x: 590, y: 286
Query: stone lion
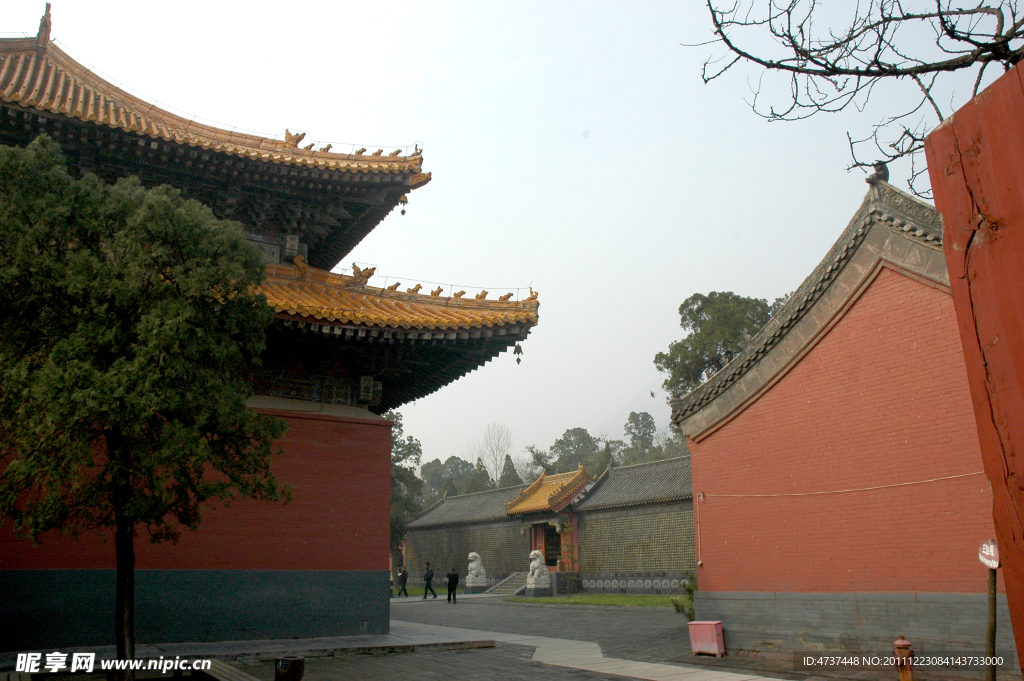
x: 476, y: 575
x: 538, y: 576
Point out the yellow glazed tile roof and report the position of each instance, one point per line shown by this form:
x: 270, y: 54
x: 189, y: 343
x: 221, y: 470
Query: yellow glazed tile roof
x: 301, y: 291
x: 35, y: 73
x: 548, y: 491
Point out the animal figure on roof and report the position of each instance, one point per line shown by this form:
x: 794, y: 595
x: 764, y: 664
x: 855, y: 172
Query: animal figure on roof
x: 394, y: 287
x: 360, y: 152
x: 360, y: 275
x: 414, y: 289
x: 881, y: 173
x: 459, y: 294
x: 437, y: 291
x: 396, y: 152
x: 533, y: 294
x: 292, y: 141
x: 379, y: 152
x: 505, y: 298
x: 482, y: 295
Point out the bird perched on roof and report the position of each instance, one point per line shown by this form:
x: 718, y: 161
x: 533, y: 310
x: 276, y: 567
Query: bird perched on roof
x: 482, y: 295
x: 881, y: 173
x: 396, y: 152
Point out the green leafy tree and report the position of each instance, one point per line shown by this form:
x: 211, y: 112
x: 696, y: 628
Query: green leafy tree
x: 449, y: 489
x: 128, y: 320
x: 509, y: 476
x: 641, y: 430
x: 406, y: 452
x: 719, y: 323
x: 437, y: 475
x: 478, y: 481
x: 539, y: 458
x: 576, y: 446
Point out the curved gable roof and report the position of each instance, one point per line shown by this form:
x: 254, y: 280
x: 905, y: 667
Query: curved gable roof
x: 890, y: 229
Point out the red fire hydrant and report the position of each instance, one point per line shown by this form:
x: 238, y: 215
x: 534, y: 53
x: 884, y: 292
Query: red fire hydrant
x: 904, y: 658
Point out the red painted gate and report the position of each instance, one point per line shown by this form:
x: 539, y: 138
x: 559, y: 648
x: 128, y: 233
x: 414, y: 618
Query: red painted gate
x: 976, y: 165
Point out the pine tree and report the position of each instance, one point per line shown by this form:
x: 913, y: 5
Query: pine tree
x: 509, y: 476
x: 128, y: 319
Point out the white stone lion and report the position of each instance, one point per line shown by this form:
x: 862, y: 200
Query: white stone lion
x: 476, y: 575
x: 538, y: 577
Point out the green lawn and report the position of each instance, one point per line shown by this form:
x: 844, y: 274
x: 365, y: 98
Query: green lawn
x: 643, y: 600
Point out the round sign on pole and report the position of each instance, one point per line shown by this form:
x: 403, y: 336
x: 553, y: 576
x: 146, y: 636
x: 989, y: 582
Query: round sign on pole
x: 988, y: 554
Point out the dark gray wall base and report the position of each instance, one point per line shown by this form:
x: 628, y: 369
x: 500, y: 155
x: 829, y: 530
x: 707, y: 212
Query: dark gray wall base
x: 782, y: 622
x: 51, y: 609
x: 661, y: 582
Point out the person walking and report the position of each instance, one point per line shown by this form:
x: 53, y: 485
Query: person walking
x: 403, y: 577
x: 452, y: 580
x: 428, y: 582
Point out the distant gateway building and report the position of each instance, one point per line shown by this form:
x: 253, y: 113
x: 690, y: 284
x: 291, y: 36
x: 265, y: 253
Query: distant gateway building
x: 629, y: 531
x: 340, y: 353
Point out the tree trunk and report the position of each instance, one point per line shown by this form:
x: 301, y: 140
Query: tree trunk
x: 124, y: 615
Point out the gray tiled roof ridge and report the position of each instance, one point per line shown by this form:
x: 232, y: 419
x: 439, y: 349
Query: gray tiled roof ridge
x: 883, y: 203
x: 483, y: 512
x: 625, y: 486
x: 648, y: 463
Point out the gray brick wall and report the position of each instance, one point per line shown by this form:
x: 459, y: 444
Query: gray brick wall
x: 863, y: 623
x: 639, y: 540
x: 504, y: 547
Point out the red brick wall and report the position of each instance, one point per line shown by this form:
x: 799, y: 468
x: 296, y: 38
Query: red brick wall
x: 340, y: 473
x: 881, y: 399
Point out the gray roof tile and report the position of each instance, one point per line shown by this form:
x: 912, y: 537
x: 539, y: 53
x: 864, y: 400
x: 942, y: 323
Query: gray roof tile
x: 468, y: 508
x: 645, y: 483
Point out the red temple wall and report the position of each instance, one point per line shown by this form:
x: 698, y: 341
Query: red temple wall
x: 339, y: 470
x: 881, y: 399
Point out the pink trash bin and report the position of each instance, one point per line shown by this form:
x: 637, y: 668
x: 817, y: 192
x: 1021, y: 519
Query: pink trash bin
x: 706, y: 638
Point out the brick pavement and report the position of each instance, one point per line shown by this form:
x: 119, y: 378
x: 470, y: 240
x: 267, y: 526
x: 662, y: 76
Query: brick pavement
x: 502, y: 662
x: 643, y: 634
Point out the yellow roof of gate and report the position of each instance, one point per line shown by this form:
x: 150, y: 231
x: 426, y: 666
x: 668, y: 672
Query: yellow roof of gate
x: 302, y: 291
x: 548, y: 491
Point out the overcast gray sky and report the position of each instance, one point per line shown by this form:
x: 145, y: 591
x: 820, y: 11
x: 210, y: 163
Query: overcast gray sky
x: 573, y: 147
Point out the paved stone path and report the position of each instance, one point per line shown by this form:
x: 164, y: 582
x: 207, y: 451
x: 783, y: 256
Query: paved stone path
x: 585, y: 656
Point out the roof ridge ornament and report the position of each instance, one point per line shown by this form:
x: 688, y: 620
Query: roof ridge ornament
x: 43, y: 37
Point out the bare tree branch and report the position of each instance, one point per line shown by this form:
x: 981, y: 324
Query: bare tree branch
x: 839, y: 65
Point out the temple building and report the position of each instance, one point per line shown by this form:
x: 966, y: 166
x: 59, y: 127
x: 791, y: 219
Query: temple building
x: 628, y: 531
x: 340, y: 353
x: 837, y: 475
